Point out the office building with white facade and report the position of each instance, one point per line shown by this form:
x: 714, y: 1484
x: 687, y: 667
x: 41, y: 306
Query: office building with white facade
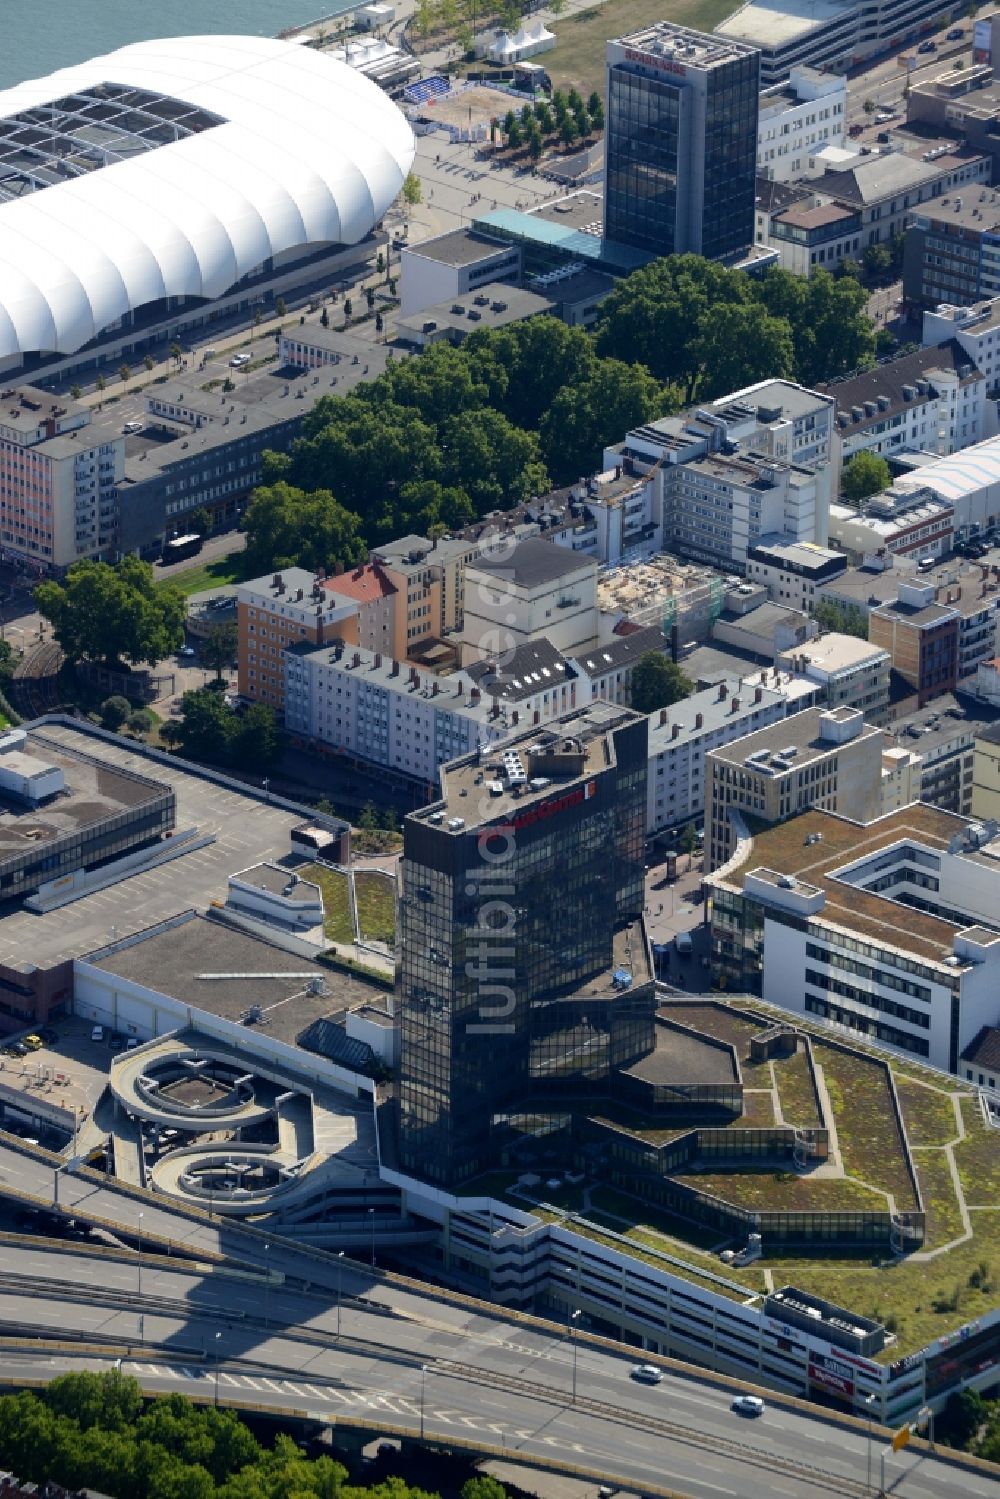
x: 798, y: 119
x: 453, y: 264
x: 850, y: 672
x: 793, y: 571
x: 886, y: 928
x: 754, y: 464
x: 681, y: 736
x: 910, y: 522
x: 514, y: 594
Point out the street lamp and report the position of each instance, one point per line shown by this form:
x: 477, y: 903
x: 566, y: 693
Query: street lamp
x: 340, y: 1277
x: 423, y: 1376
x: 572, y: 1333
x: 218, y: 1358
x: 869, y: 1401
x: 371, y: 1217
x: 267, y: 1279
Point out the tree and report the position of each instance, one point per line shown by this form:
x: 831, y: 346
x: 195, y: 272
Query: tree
x: 658, y: 682
x: 380, y: 263
x: 370, y: 297
x: 207, y: 726
x: 255, y: 743
x: 688, y: 842
x: 75, y: 392
x: 110, y: 614
x: 200, y: 521
x: 844, y: 620
x: 100, y: 383
x: 515, y: 136
x: 176, y: 352
x: 877, y: 260
x: 348, y: 308
x: 219, y: 649
x: 124, y: 373
x: 534, y: 144
x: 141, y: 722
x: 368, y: 818
x: 543, y: 114
x: 280, y: 307
x: 148, y: 363
x: 568, y: 130
x: 596, y: 111
x: 584, y: 417
x: 114, y: 712
x: 865, y: 474
x: 412, y: 191
x: 287, y: 527
x: 738, y: 345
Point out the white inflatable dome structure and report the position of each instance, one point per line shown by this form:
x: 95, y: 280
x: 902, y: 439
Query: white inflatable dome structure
x: 173, y: 169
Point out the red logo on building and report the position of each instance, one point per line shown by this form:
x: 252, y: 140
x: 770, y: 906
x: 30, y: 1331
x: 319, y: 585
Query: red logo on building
x: 552, y: 809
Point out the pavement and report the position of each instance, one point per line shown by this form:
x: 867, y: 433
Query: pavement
x: 383, y: 1353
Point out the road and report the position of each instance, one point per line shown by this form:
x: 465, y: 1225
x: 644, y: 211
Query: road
x: 386, y: 1353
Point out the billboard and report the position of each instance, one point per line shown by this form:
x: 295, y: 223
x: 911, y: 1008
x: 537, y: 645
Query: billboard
x: 982, y: 41
x: 832, y: 1375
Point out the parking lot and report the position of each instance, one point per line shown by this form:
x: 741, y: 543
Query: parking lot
x: 69, y: 1072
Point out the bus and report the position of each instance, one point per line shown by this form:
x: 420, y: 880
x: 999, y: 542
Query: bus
x: 181, y: 547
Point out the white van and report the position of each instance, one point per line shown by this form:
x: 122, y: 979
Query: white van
x: 97, y: 1034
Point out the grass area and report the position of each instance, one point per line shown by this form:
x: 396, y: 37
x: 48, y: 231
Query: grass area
x: 201, y: 577
x: 337, y: 910
x: 785, y: 1191
x: 375, y: 894
x: 944, y: 1221
x: 758, y: 1111
x: 577, y: 60
x: 927, y: 1113
x: 978, y: 1159
x: 919, y: 1299
x: 689, y: 1271
x: 870, y: 1143
x: 724, y: 1025
x: 799, y: 1105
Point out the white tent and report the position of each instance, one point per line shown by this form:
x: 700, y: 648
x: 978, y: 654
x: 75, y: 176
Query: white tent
x: 504, y: 49
x: 530, y: 40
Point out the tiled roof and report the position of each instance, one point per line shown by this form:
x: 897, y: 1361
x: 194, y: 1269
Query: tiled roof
x: 365, y: 584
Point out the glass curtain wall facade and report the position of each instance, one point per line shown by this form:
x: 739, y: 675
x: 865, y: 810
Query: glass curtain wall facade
x: 681, y: 143
x: 501, y: 927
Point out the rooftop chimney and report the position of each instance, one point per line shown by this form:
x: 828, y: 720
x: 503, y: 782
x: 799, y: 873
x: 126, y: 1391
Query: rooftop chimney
x: 735, y: 706
x: 515, y: 717
x: 758, y: 694
x: 537, y: 717
x: 675, y: 730
x: 663, y: 716
x: 476, y: 694
x: 395, y: 669
x: 699, y: 719
x: 723, y: 692
x: 378, y: 660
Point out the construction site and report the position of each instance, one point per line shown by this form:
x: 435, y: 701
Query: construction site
x: 666, y: 592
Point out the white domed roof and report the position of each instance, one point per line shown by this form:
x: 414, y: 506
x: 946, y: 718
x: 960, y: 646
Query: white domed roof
x: 175, y: 167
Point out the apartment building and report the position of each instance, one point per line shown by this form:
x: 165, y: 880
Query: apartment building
x: 60, y: 469
x: 850, y: 672
x: 886, y: 926
x: 821, y: 757
x: 430, y: 576
x: 793, y: 572
x: 514, y: 594
x: 386, y: 712
x: 921, y: 636
x: 943, y: 736
x: 755, y: 464
x: 608, y: 667
x: 681, y: 737
x: 975, y: 329
x: 952, y: 250
x: 986, y: 771
x: 798, y: 119
x: 930, y: 401
x: 279, y: 610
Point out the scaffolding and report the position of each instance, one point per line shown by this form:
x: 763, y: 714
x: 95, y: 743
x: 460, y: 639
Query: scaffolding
x: 663, y: 591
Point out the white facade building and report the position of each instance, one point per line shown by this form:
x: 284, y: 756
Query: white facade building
x: 757, y: 463
x: 977, y: 330
x: 969, y: 481
x: 450, y: 265
x: 680, y: 737
x: 889, y: 931
x: 529, y: 591
x: 797, y: 119
x: 850, y: 672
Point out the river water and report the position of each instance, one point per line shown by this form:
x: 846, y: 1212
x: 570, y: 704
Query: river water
x: 38, y: 36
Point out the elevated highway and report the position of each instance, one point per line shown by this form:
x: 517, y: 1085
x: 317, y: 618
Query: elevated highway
x: 260, y: 1321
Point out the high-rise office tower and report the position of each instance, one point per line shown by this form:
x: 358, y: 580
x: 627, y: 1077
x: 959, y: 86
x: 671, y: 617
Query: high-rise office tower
x: 526, y: 979
x: 681, y: 142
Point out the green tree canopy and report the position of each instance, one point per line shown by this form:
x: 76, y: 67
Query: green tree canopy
x: 864, y: 474
x: 584, y: 418
x: 219, y: 648
x: 845, y: 621
x: 287, y: 526
x: 738, y: 344
x: 657, y: 682
x: 113, y: 614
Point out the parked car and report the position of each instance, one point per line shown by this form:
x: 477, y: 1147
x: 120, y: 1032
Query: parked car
x: 33, y: 1043
x: 956, y: 33
x: 48, y: 1035
x: 97, y: 1034
x: 238, y: 360
x: 187, y: 651
x: 748, y: 1405
x: 927, y: 46
x: 15, y: 1049
x: 647, y: 1373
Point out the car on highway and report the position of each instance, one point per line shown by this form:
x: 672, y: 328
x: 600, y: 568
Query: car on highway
x: 647, y: 1374
x: 238, y: 360
x: 748, y: 1405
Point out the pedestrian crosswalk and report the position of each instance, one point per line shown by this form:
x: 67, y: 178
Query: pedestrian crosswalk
x: 329, y: 1395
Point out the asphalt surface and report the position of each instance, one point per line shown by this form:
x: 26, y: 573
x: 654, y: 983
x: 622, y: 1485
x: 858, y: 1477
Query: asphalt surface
x: 484, y: 1376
